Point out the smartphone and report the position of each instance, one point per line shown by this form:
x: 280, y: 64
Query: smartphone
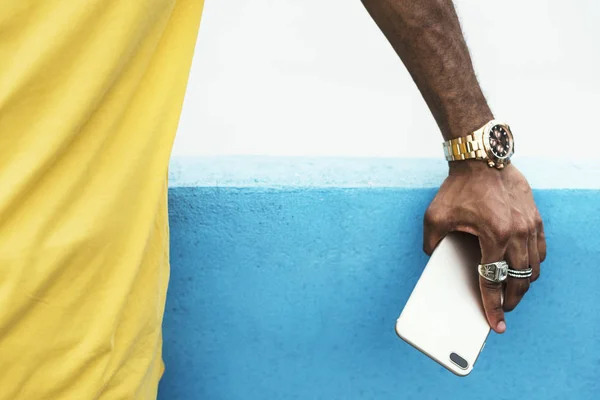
x: 444, y: 316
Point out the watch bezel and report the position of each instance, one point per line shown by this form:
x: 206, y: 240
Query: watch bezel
x: 498, y: 161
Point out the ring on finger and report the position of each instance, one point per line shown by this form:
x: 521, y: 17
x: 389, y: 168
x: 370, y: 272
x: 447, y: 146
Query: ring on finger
x: 494, y: 272
x: 520, y: 273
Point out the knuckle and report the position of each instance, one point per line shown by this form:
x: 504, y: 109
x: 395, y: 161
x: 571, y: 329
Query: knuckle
x: 522, y: 288
x: 489, y: 286
x: 532, y: 227
x: 537, y: 220
x: 496, y: 310
x: 521, y: 231
x: 433, y: 217
x: 518, y: 288
x: 502, y: 234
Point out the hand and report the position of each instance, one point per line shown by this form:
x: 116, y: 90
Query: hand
x: 496, y: 206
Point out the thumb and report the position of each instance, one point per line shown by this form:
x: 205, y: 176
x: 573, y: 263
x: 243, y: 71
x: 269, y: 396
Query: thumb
x: 436, y: 225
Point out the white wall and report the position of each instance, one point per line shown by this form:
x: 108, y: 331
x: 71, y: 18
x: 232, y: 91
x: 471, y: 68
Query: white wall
x: 316, y: 77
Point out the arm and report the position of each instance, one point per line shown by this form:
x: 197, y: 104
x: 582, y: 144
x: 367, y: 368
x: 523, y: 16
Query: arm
x: 427, y: 37
x: 497, y: 206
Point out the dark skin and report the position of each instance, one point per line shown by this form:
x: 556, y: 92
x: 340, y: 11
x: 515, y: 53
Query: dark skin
x: 495, y: 205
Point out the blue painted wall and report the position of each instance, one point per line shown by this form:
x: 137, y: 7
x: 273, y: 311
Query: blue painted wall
x: 292, y: 292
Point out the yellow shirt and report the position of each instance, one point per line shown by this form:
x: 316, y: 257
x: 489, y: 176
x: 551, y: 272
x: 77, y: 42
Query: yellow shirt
x: 90, y: 97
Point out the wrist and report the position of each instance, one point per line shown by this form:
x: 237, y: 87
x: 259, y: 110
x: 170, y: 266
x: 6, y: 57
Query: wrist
x: 472, y: 167
x: 467, y: 122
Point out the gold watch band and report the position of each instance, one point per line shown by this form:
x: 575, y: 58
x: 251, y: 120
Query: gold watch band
x: 465, y: 148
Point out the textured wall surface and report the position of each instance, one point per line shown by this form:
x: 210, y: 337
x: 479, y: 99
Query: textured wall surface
x: 286, y: 290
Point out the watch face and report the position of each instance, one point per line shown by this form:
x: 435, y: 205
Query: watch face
x: 499, y: 141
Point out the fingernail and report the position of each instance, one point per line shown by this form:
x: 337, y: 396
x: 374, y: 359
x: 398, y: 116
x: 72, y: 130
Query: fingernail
x: 501, y: 327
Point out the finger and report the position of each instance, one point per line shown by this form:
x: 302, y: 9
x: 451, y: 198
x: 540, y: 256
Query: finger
x: 517, y: 258
x: 541, y: 239
x: 541, y: 245
x: 534, y: 257
x: 491, y: 295
x: 491, y: 292
x: 436, y: 225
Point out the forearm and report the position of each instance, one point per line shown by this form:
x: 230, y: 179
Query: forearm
x: 427, y: 36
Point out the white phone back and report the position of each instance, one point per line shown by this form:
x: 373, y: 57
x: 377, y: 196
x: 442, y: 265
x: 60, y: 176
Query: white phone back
x: 444, y: 313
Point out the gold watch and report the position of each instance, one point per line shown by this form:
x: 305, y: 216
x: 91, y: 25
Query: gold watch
x: 492, y: 143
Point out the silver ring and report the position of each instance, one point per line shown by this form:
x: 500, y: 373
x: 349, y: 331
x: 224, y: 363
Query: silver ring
x: 494, y: 272
x: 520, y: 273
